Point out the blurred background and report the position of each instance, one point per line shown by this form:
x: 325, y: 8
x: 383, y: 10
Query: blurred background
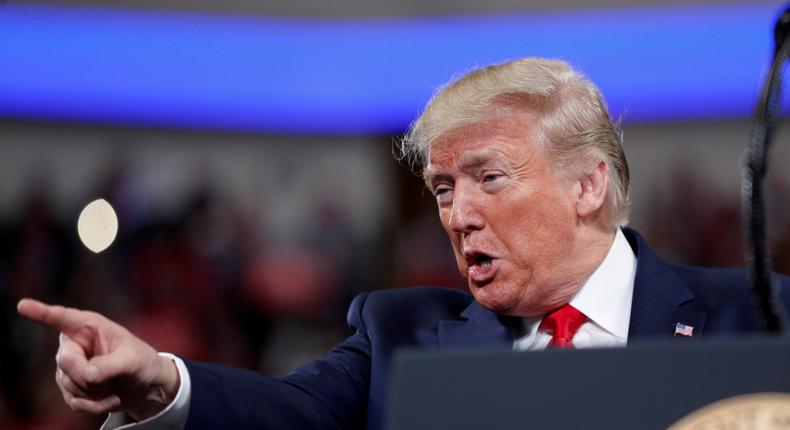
x: 247, y: 149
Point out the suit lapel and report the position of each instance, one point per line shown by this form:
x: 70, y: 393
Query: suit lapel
x: 661, y: 298
x: 478, y: 327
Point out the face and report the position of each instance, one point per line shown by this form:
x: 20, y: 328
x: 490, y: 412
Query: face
x: 510, y: 218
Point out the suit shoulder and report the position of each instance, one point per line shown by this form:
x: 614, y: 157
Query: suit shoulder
x: 722, y: 275
x: 720, y: 285
x: 414, y: 298
x: 414, y: 303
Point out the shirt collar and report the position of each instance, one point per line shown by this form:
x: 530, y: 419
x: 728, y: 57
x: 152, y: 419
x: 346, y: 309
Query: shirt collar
x: 606, y: 296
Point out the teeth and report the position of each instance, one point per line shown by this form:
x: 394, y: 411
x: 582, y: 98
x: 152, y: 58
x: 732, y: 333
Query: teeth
x: 481, y: 260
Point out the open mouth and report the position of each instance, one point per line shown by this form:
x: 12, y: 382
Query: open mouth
x: 482, y: 260
x: 481, y: 266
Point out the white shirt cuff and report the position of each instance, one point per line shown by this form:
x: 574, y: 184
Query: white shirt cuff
x: 173, y: 417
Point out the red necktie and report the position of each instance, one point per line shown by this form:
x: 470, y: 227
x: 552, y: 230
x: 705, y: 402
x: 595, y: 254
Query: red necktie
x: 563, y: 323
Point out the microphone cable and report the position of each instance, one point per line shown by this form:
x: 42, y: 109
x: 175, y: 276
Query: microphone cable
x: 765, y: 290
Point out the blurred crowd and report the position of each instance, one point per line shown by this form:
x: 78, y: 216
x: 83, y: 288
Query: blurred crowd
x: 207, y: 283
x: 204, y: 282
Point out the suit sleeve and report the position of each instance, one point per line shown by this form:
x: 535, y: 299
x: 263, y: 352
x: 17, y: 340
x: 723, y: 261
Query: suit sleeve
x: 330, y: 393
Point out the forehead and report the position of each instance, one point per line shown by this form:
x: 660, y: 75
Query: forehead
x: 507, y: 138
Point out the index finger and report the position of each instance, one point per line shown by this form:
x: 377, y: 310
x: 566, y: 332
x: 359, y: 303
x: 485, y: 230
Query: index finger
x: 66, y: 320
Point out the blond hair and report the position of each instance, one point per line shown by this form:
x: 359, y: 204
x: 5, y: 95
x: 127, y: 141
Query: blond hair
x: 573, y: 127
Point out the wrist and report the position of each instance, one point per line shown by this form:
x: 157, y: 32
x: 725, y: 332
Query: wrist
x: 169, y: 381
x: 162, y: 391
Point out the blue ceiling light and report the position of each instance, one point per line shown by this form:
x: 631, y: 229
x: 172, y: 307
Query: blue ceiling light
x: 305, y: 76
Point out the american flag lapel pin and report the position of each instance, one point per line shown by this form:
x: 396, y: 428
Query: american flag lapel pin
x: 683, y: 330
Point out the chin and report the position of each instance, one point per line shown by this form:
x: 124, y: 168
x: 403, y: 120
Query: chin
x: 508, y: 299
x: 494, y: 297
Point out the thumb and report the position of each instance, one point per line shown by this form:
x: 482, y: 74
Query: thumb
x: 106, y: 367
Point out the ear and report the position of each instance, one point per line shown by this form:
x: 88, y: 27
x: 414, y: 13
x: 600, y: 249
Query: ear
x: 591, y: 188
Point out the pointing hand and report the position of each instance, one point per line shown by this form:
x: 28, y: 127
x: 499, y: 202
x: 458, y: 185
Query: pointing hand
x: 102, y: 367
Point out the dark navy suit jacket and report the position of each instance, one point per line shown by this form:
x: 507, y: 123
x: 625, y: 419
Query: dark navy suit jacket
x: 346, y: 389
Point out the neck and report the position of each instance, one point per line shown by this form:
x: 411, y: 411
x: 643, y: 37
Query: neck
x: 595, y: 244
x: 590, y: 249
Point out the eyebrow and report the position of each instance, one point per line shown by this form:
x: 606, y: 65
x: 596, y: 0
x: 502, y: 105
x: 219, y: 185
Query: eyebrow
x: 430, y: 176
x: 468, y: 161
x: 472, y: 160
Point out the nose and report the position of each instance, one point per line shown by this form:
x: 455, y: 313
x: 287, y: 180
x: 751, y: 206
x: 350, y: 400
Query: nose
x: 466, y: 215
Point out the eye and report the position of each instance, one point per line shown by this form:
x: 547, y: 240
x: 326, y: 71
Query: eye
x: 492, y: 181
x: 488, y: 177
x: 443, y: 193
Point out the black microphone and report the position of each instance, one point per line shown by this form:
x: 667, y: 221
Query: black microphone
x: 781, y: 30
x: 764, y: 289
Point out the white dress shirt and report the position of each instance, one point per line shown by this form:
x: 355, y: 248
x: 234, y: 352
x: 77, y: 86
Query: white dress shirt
x: 605, y: 298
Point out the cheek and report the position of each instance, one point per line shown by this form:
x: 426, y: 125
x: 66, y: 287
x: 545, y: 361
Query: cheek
x: 455, y: 242
x: 460, y: 261
x: 444, y: 217
x: 536, y: 228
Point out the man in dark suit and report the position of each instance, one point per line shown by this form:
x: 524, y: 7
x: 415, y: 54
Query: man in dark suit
x: 531, y: 184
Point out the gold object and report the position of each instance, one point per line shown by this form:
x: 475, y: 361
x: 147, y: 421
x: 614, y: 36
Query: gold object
x: 761, y: 411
